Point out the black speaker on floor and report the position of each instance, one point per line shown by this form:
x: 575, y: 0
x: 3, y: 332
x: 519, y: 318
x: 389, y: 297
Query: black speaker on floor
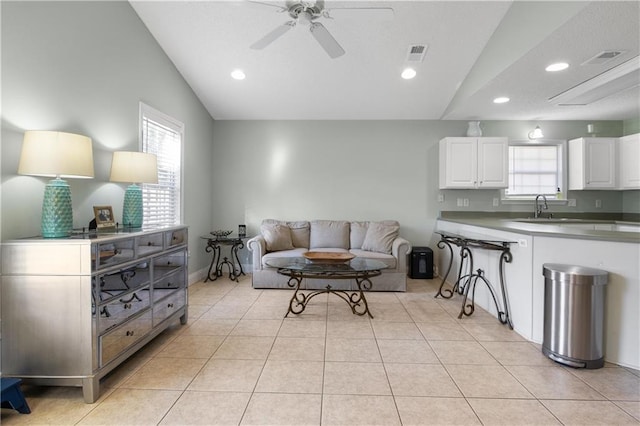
x: 421, y: 263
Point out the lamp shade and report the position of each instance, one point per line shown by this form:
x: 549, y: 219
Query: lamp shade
x: 57, y: 154
x: 46, y: 153
x: 133, y: 167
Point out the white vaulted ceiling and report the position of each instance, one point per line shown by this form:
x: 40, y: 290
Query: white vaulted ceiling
x: 477, y: 50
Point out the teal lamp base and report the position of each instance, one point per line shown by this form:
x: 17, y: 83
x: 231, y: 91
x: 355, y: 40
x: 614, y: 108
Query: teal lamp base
x: 57, y: 214
x: 132, y: 208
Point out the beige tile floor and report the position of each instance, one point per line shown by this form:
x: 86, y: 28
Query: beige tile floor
x: 239, y: 362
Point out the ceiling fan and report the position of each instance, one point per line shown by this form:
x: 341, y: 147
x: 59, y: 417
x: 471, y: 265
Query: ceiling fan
x: 308, y: 13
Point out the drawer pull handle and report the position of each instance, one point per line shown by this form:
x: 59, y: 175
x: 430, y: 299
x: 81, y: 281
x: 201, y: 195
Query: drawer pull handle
x: 170, y: 305
x: 127, y: 306
x: 129, y: 332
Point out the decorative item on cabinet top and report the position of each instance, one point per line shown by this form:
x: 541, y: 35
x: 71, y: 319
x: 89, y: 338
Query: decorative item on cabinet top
x: 474, y: 129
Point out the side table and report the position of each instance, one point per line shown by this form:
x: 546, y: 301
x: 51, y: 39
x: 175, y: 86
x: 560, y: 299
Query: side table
x: 466, y: 282
x: 218, y: 262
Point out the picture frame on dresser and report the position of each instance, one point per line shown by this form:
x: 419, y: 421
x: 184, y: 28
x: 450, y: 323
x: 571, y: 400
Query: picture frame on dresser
x: 104, y: 216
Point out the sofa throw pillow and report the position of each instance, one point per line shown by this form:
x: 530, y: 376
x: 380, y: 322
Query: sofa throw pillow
x: 380, y: 237
x: 277, y: 236
x: 357, y: 234
x: 299, y: 233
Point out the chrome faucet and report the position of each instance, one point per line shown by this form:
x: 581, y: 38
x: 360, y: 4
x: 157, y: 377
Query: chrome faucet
x: 538, y: 208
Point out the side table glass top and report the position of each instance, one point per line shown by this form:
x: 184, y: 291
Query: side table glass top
x: 300, y: 264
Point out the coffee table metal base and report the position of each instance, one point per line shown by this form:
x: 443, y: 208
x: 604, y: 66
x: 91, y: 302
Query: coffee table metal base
x: 355, y: 299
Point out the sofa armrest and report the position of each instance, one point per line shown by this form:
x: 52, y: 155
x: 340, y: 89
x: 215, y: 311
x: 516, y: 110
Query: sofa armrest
x: 400, y: 249
x: 258, y: 248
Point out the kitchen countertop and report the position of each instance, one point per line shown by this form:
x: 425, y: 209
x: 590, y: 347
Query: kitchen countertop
x: 557, y: 227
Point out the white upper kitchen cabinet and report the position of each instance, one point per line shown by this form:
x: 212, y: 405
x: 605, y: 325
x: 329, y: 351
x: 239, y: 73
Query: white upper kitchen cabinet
x: 468, y: 163
x: 629, y: 166
x: 592, y: 163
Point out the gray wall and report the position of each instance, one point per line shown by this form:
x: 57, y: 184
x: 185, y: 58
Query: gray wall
x: 360, y: 170
x: 83, y: 67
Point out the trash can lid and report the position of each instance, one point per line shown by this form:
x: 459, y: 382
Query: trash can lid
x: 575, y: 274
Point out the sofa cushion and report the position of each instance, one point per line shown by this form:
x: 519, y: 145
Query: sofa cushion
x: 329, y: 233
x: 387, y: 259
x: 296, y: 252
x: 277, y: 236
x: 380, y: 236
x: 299, y: 233
x: 358, y: 232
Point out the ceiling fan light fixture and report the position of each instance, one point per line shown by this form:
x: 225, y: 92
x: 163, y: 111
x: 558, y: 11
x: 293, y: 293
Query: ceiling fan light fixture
x: 558, y: 66
x: 238, y: 74
x: 408, y: 73
x: 501, y: 100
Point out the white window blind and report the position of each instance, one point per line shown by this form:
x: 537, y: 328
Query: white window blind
x: 533, y: 170
x: 162, y: 136
x: 536, y: 169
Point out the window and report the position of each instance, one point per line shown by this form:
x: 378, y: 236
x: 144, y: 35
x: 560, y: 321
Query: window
x: 536, y: 168
x: 162, y: 135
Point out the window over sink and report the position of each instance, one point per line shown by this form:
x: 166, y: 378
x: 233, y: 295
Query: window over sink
x: 537, y: 167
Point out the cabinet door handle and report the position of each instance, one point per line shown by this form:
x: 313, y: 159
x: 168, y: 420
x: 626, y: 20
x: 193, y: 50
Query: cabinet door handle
x: 129, y: 332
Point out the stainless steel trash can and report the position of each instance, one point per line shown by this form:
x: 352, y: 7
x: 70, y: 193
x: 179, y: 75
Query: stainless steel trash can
x: 574, y: 298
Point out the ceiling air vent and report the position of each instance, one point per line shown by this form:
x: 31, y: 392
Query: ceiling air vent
x: 603, y: 57
x: 416, y: 52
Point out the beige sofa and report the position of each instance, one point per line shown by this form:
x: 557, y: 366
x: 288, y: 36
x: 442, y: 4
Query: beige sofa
x: 371, y: 240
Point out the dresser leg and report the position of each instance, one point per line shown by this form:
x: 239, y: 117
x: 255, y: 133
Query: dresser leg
x: 90, y: 389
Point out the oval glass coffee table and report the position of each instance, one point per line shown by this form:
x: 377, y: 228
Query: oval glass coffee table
x: 358, y: 269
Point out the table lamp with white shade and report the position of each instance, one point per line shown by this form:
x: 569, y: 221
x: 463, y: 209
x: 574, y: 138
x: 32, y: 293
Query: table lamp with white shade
x: 59, y: 155
x: 133, y: 168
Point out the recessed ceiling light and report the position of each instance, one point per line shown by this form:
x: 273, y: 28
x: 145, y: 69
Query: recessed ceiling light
x: 408, y: 73
x: 559, y: 66
x: 501, y: 100
x: 238, y: 75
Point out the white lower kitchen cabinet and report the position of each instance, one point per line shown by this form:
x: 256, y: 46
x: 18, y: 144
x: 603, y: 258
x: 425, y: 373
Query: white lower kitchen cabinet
x: 525, y: 282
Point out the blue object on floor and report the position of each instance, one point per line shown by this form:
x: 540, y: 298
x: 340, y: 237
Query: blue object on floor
x: 12, y: 396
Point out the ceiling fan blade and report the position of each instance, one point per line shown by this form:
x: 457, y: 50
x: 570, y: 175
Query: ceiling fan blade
x: 326, y: 40
x: 273, y: 35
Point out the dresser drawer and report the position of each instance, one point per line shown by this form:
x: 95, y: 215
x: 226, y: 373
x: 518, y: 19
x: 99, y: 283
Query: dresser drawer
x: 118, y: 310
x: 149, y: 244
x: 107, y: 255
x: 167, y: 264
x: 172, y: 281
x: 176, y: 238
x: 166, y: 307
x: 119, y: 339
x: 113, y: 283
